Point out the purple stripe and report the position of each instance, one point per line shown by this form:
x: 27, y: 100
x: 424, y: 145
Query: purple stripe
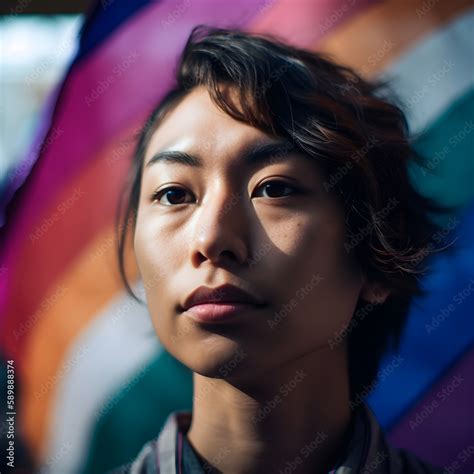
x: 441, y: 425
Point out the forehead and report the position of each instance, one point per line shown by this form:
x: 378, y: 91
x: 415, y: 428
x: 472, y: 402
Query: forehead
x: 197, y: 124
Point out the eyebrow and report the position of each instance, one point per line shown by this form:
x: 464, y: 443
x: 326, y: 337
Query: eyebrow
x: 258, y: 155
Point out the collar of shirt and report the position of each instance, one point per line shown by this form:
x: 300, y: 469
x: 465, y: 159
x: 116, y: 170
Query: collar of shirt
x: 171, y: 453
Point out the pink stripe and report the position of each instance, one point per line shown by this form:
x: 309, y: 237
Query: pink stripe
x: 98, y: 102
x: 305, y: 22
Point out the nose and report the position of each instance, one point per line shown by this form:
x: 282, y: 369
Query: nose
x: 222, y: 229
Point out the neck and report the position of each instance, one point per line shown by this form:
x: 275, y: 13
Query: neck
x: 294, y: 418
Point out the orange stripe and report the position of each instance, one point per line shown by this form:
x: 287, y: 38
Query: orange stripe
x: 83, y: 207
x: 383, y: 32
x: 82, y: 292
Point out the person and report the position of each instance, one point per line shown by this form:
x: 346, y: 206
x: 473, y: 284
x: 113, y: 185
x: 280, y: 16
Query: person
x: 280, y: 243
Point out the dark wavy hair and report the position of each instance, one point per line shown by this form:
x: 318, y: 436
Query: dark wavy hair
x: 358, y: 137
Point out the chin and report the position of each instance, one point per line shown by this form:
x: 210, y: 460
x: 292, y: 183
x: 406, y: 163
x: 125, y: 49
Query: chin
x: 215, y: 357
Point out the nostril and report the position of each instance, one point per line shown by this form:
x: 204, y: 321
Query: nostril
x: 228, y: 254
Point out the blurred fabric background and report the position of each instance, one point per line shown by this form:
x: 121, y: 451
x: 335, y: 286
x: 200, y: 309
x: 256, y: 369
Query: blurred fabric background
x: 92, y: 382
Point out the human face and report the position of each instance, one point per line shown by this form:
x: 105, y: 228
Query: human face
x: 284, y: 244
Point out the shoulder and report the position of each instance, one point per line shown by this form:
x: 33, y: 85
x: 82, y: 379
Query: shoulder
x: 409, y: 463
x: 144, y: 463
x: 160, y: 451
x: 383, y: 457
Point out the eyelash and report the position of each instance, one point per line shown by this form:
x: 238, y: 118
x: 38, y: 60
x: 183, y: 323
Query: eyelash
x: 158, y: 194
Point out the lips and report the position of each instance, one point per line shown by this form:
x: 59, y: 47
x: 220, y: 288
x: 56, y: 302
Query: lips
x: 224, y: 294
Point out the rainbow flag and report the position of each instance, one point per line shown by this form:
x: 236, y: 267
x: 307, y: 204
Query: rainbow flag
x: 90, y: 373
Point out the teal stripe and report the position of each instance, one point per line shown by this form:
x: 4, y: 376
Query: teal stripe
x: 447, y: 147
x: 138, y: 412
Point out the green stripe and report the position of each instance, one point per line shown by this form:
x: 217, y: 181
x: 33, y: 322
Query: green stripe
x: 447, y: 147
x: 138, y: 412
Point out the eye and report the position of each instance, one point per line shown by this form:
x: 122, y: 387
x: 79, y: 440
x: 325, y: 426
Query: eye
x: 277, y: 189
x: 173, y: 194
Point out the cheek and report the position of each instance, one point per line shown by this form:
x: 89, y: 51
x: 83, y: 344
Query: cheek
x: 159, y: 253
x: 318, y: 282
x: 154, y: 267
x: 153, y: 261
x: 143, y: 243
x: 156, y: 250
x: 305, y: 242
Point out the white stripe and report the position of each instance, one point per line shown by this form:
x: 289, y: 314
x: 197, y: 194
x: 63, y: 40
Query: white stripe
x: 119, y: 343
x: 435, y: 72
